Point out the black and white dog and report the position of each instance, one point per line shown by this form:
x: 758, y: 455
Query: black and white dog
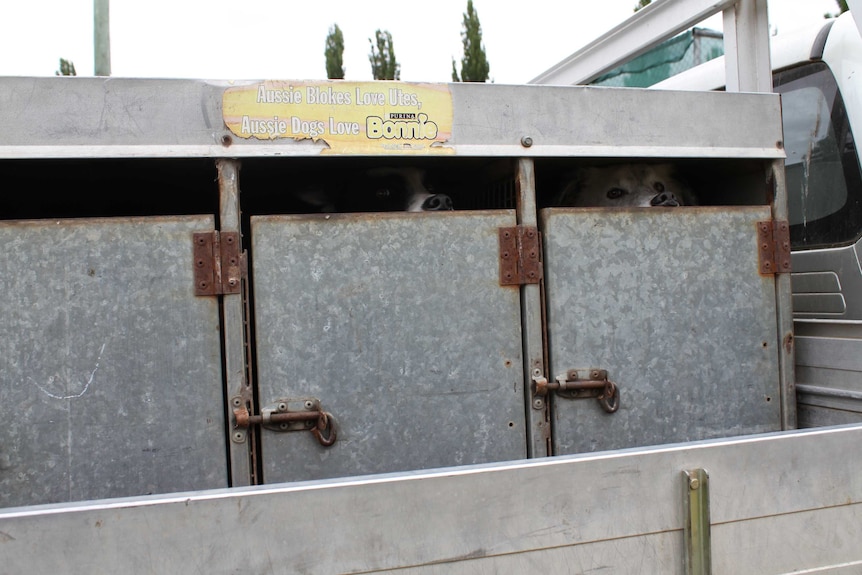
x: 377, y: 190
x: 626, y: 185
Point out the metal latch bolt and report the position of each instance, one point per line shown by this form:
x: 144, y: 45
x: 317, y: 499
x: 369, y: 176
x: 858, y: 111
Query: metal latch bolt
x: 284, y: 416
x: 580, y: 384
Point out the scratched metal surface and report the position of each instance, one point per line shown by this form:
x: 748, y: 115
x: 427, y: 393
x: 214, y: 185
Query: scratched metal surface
x: 398, y: 325
x: 670, y: 302
x: 110, y: 378
x: 780, y: 504
x: 107, y: 117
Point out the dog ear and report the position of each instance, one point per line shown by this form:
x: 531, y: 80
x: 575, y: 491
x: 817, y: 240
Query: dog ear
x: 685, y: 191
x: 689, y: 198
x: 318, y: 198
x: 570, y: 185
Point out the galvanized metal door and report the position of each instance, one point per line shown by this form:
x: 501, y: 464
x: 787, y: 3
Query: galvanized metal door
x: 110, y: 370
x: 397, y: 325
x: 671, y: 303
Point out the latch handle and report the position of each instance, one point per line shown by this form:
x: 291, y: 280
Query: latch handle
x: 279, y: 417
x: 580, y: 384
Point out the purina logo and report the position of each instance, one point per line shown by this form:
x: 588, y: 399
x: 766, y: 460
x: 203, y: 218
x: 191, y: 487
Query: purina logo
x: 419, y: 129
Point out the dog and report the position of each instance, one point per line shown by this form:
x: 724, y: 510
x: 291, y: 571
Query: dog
x: 385, y: 189
x: 626, y: 185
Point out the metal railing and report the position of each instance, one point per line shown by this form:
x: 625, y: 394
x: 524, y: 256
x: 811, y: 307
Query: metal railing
x: 746, y: 42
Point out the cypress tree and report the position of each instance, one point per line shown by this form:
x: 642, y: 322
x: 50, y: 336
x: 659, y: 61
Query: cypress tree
x: 67, y: 68
x: 384, y: 66
x: 474, y: 64
x: 334, y: 53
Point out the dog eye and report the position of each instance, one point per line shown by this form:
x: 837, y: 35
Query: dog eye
x: 658, y: 186
x: 382, y: 193
x: 616, y: 193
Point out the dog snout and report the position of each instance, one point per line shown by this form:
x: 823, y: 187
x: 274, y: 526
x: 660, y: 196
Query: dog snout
x: 437, y: 203
x: 665, y: 199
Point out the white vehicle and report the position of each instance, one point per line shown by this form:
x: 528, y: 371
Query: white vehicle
x: 818, y: 72
x: 205, y: 368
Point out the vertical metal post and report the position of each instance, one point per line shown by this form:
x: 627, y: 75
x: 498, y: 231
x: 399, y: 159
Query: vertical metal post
x: 101, y: 38
x: 240, y: 442
x: 698, y: 552
x: 538, y: 431
x: 784, y: 309
x: 747, y: 63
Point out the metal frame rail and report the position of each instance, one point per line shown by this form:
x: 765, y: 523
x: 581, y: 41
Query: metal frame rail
x: 778, y: 503
x: 746, y: 42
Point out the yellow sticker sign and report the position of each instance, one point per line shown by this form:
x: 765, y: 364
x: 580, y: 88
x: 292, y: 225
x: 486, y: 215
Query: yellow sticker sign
x: 351, y: 117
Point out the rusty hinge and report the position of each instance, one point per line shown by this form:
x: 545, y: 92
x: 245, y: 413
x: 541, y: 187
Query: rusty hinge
x: 218, y: 263
x: 773, y: 240
x: 520, y: 255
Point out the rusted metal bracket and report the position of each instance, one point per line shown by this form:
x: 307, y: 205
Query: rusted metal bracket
x: 520, y: 255
x: 219, y: 266
x: 773, y: 240
x: 288, y: 415
x: 581, y: 384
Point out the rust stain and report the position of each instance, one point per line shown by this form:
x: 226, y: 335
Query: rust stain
x: 788, y: 343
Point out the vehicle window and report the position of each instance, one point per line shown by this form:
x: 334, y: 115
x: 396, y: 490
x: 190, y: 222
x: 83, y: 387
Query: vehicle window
x: 824, y: 185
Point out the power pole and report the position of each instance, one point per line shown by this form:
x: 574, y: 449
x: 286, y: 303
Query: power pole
x: 101, y: 38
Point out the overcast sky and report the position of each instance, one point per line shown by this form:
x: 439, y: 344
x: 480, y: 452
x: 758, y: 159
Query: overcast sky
x: 285, y: 39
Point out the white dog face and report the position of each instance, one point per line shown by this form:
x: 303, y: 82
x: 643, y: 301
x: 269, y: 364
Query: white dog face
x: 406, y: 189
x: 626, y: 185
x: 377, y: 190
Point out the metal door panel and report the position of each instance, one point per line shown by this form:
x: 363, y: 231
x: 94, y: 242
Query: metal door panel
x: 671, y: 303
x: 110, y: 372
x: 397, y: 324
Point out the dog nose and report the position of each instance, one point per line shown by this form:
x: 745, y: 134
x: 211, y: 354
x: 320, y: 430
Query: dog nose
x: 664, y: 199
x: 437, y: 203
